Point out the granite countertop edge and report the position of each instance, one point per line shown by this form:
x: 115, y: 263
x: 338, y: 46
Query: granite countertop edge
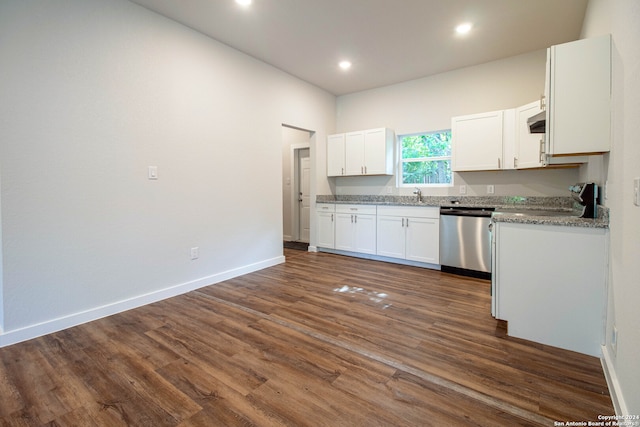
x: 497, y: 202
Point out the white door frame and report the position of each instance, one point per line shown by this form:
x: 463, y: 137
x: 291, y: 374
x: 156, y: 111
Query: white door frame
x: 295, y: 185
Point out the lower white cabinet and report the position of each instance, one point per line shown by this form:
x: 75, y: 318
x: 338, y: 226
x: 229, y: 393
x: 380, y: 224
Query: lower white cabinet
x: 325, y: 223
x: 550, y: 284
x: 355, y: 228
x: 410, y: 233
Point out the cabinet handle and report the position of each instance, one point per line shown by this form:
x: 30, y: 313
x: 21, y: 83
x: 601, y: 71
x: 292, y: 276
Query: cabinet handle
x: 356, y: 219
x: 351, y: 219
x: 331, y: 217
x: 515, y: 162
x: 407, y: 222
x: 403, y: 222
x: 342, y: 171
x: 499, y: 167
x: 365, y: 170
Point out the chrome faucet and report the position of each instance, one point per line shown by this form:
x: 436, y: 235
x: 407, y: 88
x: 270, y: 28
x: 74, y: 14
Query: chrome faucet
x: 418, y: 194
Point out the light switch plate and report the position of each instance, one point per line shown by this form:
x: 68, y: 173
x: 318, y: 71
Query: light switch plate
x: 153, y: 172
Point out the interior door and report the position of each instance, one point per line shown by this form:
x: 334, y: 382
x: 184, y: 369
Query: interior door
x: 304, y: 193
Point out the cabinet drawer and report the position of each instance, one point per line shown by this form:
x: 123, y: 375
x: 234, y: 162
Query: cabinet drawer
x: 325, y: 207
x: 356, y: 209
x: 410, y: 211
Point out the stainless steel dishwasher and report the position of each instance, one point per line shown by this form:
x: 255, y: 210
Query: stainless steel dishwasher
x: 465, y: 241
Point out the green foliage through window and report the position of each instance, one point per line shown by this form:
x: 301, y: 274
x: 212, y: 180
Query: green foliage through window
x: 426, y: 158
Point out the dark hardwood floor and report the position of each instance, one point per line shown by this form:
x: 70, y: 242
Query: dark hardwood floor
x: 322, y: 340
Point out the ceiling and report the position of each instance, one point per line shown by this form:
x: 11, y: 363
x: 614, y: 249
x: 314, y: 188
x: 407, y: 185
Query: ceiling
x: 388, y: 41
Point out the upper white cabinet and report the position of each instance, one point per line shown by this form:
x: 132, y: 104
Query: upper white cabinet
x: 477, y: 141
x: 335, y: 155
x: 368, y: 152
x: 578, y: 93
x: 578, y: 116
x: 528, y: 147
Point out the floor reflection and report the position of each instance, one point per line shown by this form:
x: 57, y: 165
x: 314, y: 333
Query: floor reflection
x: 376, y: 297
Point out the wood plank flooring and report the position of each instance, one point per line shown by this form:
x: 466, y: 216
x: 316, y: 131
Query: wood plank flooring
x: 322, y: 340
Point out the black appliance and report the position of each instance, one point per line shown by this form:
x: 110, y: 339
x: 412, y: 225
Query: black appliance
x: 538, y: 123
x: 587, y: 195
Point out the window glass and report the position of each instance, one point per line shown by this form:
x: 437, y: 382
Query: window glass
x: 426, y: 159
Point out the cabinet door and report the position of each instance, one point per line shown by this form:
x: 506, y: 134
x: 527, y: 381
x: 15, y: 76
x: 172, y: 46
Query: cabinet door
x: 391, y: 236
x: 477, y: 141
x: 423, y: 240
x: 344, y: 232
x: 378, y: 152
x: 365, y: 233
x: 529, y: 146
x: 325, y: 222
x: 354, y: 153
x: 335, y: 155
x: 549, y: 292
x: 579, y: 98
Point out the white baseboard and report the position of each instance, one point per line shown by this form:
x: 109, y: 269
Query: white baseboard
x: 612, y: 381
x: 48, y: 327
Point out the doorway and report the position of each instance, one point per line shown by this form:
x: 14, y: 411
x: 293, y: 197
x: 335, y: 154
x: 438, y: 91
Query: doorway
x: 303, y: 184
x: 296, y: 194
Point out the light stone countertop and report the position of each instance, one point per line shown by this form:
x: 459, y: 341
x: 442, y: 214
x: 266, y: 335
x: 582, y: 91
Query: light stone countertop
x: 508, y: 208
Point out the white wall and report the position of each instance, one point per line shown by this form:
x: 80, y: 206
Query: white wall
x: 428, y: 104
x: 93, y: 92
x: 621, y: 166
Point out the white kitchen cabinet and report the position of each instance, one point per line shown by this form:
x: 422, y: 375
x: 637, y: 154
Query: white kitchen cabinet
x: 550, y: 284
x: 354, y: 153
x: 367, y: 152
x: 335, y: 155
x: 410, y: 233
x: 325, y: 222
x: 578, y: 97
x: 355, y: 228
x: 529, y: 147
x: 477, y: 141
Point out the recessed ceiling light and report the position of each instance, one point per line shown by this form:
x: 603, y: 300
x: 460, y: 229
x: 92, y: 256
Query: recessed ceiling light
x: 463, y: 28
x: 345, y: 65
x: 244, y: 3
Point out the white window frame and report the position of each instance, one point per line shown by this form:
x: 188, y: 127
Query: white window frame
x: 399, y: 177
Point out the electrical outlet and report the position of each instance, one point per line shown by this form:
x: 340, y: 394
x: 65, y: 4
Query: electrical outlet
x: 491, y: 189
x: 614, y: 340
x: 195, y: 253
x: 389, y: 190
x: 636, y: 191
x: 463, y: 189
